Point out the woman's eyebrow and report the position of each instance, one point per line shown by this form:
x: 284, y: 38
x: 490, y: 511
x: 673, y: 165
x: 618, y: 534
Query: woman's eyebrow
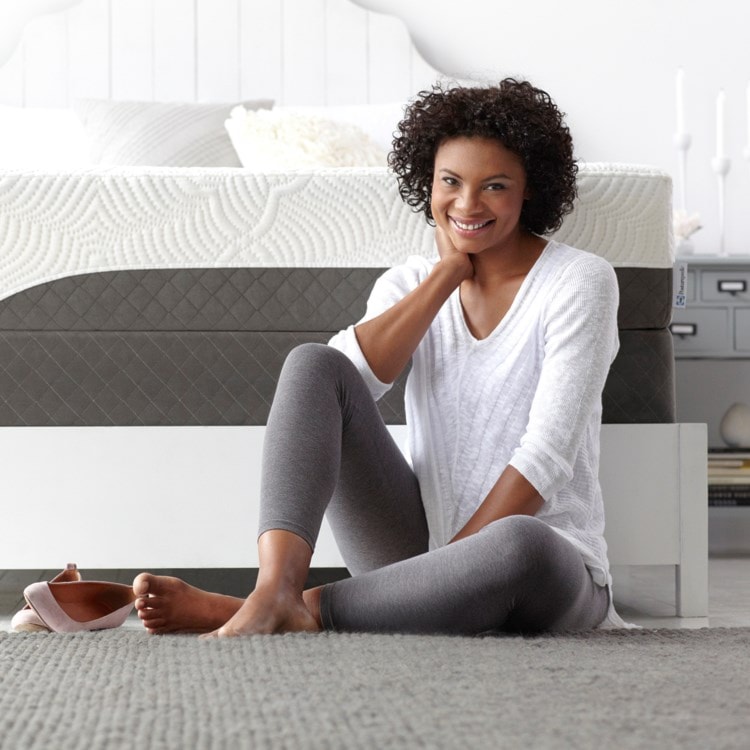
x: 501, y: 176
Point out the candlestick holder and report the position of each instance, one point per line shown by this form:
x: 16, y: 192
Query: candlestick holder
x: 720, y: 165
x: 682, y: 143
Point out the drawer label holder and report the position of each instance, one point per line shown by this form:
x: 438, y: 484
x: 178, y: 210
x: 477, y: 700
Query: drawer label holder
x: 732, y: 286
x: 684, y: 329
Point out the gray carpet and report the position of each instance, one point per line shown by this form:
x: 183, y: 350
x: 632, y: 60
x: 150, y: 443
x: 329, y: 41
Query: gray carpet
x: 621, y: 689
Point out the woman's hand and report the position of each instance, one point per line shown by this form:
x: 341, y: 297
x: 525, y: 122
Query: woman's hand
x: 451, y: 257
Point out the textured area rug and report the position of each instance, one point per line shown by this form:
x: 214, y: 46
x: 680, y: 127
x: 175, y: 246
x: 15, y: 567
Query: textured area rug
x: 621, y: 689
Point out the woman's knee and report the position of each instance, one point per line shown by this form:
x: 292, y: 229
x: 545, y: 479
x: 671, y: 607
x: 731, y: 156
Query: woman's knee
x: 313, y: 360
x: 520, y: 529
x: 523, y: 540
x: 312, y: 357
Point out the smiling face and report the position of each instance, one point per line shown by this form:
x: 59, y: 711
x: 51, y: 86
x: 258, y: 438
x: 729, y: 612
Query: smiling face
x: 478, y: 191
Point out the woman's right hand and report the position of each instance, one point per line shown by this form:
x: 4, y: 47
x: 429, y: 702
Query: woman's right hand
x: 450, y: 257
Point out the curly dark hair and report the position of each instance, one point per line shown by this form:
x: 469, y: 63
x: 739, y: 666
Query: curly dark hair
x: 523, y: 118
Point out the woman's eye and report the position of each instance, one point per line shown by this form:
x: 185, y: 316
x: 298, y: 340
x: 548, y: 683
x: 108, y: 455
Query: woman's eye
x: 450, y: 180
x: 496, y: 186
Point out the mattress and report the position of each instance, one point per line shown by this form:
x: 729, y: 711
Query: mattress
x: 156, y: 296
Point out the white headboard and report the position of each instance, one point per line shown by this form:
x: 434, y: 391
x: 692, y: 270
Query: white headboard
x: 294, y: 51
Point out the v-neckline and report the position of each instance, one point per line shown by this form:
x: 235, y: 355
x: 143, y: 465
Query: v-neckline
x: 513, y: 305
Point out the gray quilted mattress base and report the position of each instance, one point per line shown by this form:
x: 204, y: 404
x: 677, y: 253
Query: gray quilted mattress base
x: 640, y: 387
x: 645, y: 298
x: 139, y: 378
x: 229, y: 378
x: 205, y: 346
x: 252, y: 299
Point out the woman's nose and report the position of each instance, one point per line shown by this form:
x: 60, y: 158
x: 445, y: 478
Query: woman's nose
x: 469, y: 200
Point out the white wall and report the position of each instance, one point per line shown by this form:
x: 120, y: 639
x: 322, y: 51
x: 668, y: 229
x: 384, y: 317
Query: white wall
x: 611, y: 66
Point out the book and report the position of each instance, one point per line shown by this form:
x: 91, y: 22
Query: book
x: 729, y: 502
x: 728, y: 479
x: 728, y: 453
x: 728, y: 464
x: 729, y: 495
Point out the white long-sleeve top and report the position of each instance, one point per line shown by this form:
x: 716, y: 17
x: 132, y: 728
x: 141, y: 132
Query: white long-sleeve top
x: 528, y: 395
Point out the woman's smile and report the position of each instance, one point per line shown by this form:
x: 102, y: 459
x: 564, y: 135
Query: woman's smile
x: 470, y: 227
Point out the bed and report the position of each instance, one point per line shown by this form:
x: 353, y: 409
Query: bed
x: 145, y: 312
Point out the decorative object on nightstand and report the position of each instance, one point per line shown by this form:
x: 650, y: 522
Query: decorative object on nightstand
x: 684, y: 224
x: 735, y: 426
x: 720, y: 164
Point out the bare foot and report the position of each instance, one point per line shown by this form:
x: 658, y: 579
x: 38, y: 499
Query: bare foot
x: 169, y: 605
x: 268, y: 612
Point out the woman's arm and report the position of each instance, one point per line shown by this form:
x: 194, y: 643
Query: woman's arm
x: 512, y: 495
x: 388, y: 341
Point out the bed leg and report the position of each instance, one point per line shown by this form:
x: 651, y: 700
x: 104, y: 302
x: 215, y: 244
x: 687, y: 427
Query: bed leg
x: 691, y: 573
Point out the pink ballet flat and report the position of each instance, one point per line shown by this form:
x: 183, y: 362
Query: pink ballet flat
x: 28, y: 621
x: 75, y: 606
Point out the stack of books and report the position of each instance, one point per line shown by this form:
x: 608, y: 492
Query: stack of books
x: 728, y: 477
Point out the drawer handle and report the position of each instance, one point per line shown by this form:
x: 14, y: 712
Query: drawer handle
x: 732, y: 285
x: 684, y: 329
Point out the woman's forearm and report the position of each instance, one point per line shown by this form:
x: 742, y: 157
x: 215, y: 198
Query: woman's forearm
x: 512, y: 495
x: 389, y: 340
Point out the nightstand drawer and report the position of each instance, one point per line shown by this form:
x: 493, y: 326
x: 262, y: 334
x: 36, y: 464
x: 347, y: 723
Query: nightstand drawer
x: 725, y: 286
x: 698, y: 330
x: 742, y: 329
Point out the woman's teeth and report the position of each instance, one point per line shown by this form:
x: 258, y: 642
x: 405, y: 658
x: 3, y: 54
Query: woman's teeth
x: 470, y: 227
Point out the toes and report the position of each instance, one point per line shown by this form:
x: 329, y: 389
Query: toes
x: 142, y: 584
x: 154, y: 624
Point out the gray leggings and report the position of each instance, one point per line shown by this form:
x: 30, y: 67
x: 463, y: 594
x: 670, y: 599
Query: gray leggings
x: 327, y: 451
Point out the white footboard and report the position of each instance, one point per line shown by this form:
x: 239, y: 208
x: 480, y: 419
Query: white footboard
x: 186, y: 497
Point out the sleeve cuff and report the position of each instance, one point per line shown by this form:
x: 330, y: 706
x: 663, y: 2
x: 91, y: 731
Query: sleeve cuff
x: 346, y: 341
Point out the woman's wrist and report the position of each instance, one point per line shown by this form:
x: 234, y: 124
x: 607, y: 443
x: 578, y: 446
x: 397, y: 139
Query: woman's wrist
x: 454, y: 268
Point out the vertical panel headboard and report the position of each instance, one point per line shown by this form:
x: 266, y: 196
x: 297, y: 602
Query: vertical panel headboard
x: 294, y: 51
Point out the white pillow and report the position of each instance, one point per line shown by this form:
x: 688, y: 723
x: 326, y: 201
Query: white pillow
x: 379, y: 121
x: 159, y: 133
x: 41, y: 138
x: 269, y: 140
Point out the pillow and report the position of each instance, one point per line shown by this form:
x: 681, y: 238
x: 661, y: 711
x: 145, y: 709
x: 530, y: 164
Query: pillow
x: 159, y: 133
x: 379, y: 121
x: 41, y: 138
x: 269, y: 140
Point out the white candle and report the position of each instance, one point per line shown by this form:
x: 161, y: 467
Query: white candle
x: 720, y: 100
x: 748, y: 116
x: 681, y: 100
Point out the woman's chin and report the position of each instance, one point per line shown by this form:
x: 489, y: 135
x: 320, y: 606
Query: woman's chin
x: 468, y: 247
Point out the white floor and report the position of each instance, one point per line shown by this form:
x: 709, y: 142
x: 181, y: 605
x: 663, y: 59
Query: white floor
x: 644, y: 596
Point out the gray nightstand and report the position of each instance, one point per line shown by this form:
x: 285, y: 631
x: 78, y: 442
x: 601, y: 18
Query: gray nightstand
x: 712, y: 353
x: 716, y: 322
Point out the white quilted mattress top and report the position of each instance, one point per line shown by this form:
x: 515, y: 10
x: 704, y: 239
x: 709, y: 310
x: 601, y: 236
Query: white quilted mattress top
x: 56, y: 224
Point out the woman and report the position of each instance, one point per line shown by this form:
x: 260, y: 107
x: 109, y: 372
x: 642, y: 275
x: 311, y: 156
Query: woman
x: 497, y: 524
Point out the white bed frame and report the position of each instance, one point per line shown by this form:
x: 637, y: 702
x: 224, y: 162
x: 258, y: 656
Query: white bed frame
x: 190, y: 499
x: 189, y: 495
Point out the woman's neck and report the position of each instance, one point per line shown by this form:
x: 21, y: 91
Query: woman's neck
x: 515, y: 259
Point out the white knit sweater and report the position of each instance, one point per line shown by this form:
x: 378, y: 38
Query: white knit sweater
x: 528, y: 395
